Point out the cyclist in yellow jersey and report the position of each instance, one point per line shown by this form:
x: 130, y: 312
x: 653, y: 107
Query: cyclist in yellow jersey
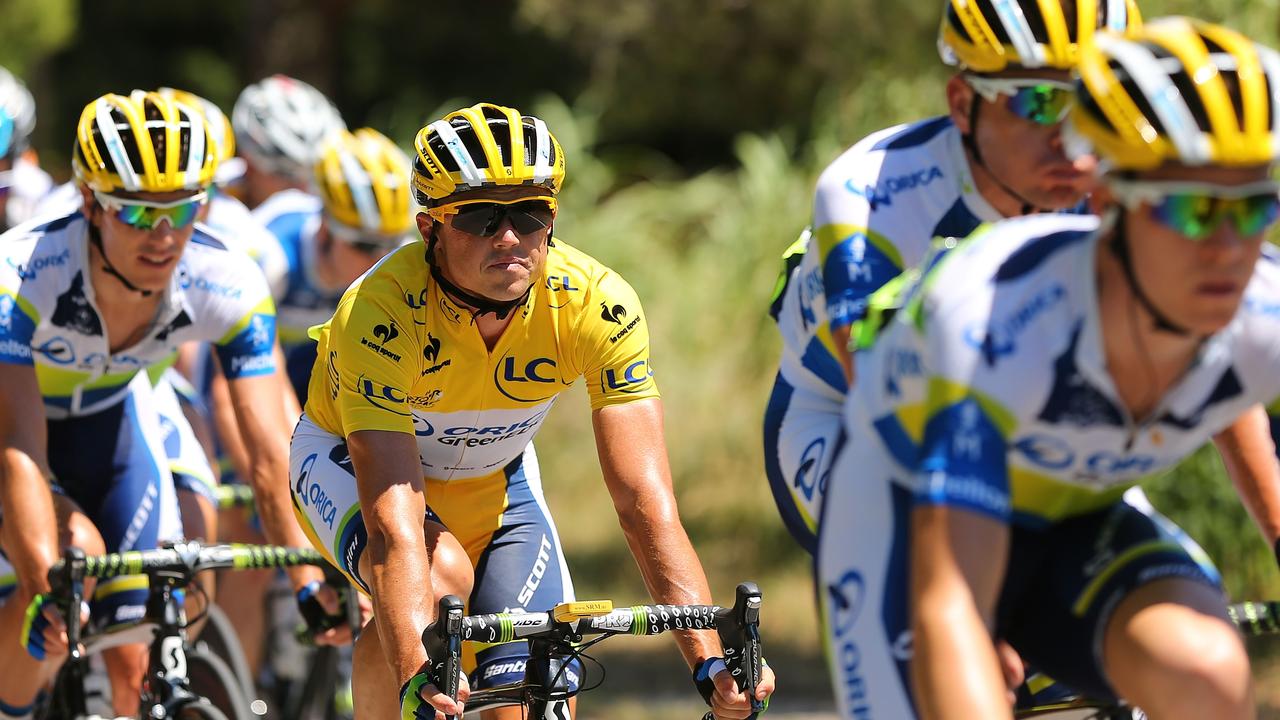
x: 413, y: 464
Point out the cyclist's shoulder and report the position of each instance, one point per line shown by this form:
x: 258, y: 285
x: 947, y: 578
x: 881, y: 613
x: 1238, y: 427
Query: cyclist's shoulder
x: 581, y: 276
x: 35, y: 249
x: 213, y: 270
x: 395, y: 282
x: 1005, y: 265
x: 891, y: 152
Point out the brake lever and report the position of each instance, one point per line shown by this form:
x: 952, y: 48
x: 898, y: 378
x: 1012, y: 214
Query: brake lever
x: 739, y: 631
x: 442, y: 640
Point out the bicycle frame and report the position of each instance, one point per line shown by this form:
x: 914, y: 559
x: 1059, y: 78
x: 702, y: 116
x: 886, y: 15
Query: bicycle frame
x: 551, y: 637
x: 165, y: 690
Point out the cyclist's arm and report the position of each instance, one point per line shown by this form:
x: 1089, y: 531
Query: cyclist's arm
x: 255, y: 399
x: 957, y: 566
x: 633, y: 460
x: 1249, y: 455
x: 32, y: 543
x: 389, y: 481
x: 224, y: 417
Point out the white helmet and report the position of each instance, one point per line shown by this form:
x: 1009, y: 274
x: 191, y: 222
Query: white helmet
x: 17, y: 114
x: 282, y: 122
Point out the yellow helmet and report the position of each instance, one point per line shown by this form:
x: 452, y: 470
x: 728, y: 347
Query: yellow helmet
x: 485, y: 145
x: 363, y: 179
x: 1182, y: 90
x: 143, y: 142
x: 224, y: 138
x: 991, y: 35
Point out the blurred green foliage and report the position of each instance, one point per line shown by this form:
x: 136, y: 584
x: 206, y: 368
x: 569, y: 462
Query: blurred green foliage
x: 694, y: 133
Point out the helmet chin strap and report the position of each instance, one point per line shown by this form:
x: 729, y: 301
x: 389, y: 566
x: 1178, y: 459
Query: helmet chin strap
x: 483, y: 305
x: 1119, y: 246
x: 967, y: 139
x: 96, y: 238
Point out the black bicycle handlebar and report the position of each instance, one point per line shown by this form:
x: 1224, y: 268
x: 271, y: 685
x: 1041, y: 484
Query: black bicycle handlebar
x: 187, y: 558
x: 738, y: 627
x: 1256, y: 618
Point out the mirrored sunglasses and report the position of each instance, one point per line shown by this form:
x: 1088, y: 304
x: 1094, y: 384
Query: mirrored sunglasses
x: 1196, y: 210
x: 1043, y: 102
x: 485, y: 217
x: 145, y: 215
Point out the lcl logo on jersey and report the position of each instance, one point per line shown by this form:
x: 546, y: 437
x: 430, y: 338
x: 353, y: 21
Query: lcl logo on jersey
x: 382, y: 396
x: 561, y: 287
x: 630, y: 380
x: 529, y: 381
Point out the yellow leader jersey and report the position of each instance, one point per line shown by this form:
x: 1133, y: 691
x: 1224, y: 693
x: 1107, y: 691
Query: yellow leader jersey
x: 400, y: 355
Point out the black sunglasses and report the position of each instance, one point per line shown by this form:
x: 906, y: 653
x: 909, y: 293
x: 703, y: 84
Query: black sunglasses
x: 484, y: 218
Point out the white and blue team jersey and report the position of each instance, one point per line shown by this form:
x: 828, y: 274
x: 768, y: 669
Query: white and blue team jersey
x: 989, y: 392
x: 876, y: 210
x: 293, y: 217
x: 49, y: 317
x: 239, y: 229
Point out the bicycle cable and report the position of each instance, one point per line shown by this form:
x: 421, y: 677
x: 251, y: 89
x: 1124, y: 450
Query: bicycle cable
x: 204, y: 612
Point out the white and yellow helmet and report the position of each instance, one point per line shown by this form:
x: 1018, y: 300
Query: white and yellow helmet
x: 987, y: 36
x: 143, y: 142
x: 485, y: 145
x: 1179, y: 90
x: 363, y: 179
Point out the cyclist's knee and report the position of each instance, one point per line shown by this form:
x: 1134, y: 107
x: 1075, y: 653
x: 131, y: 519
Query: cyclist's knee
x: 451, y: 571
x: 76, y: 529
x: 1176, y: 659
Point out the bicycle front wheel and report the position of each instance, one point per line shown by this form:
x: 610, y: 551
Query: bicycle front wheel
x: 219, y: 638
x: 210, y: 678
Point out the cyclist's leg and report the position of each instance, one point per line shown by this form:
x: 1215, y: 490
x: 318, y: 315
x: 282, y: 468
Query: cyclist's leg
x: 114, y: 466
x: 801, y: 431
x: 505, y: 525
x: 24, y: 676
x: 862, y: 585
x: 1171, y: 650
x: 327, y: 504
x: 1125, y: 604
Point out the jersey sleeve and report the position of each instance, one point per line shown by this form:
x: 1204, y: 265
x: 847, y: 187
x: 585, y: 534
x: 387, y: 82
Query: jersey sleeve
x: 613, y: 339
x: 372, y: 361
x: 18, y: 320
x: 963, y: 458
x: 855, y: 259
x: 18, y: 315
x: 246, y: 346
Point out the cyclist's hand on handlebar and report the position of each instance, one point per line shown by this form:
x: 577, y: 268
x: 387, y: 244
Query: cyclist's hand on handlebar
x: 721, y: 692
x: 323, y: 610
x: 44, y: 633
x: 420, y: 699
